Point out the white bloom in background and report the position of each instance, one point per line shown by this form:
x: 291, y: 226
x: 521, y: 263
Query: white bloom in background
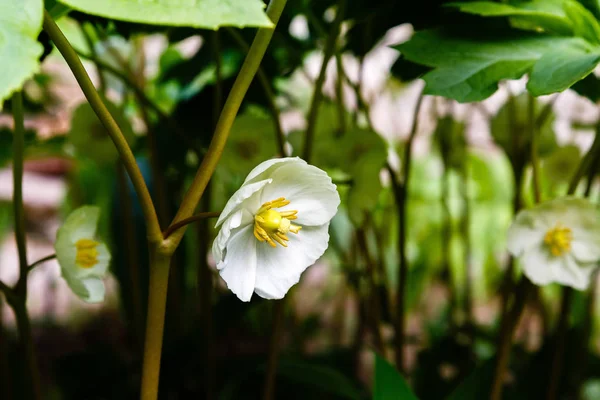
x: 274, y: 227
x: 83, y: 260
x: 557, y: 241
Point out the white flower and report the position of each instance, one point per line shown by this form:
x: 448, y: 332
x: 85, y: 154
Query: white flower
x: 274, y: 227
x: 557, y: 241
x: 83, y: 260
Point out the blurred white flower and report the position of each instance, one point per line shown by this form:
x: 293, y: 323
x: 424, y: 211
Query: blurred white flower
x: 274, y: 227
x: 557, y: 241
x: 83, y: 260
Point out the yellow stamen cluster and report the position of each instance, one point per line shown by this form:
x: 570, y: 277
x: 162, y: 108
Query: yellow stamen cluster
x: 272, y: 226
x: 87, y: 253
x: 558, y: 240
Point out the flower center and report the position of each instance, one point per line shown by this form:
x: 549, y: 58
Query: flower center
x: 272, y: 226
x: 558, y: 240
x: 87, y: 254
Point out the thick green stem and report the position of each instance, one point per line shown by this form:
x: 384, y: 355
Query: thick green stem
x: 232, y: 105
x: 155, y: 320
x: 317, y: 96
x: 18, y: 298
x: 64, y: 47
x: 400, y: 194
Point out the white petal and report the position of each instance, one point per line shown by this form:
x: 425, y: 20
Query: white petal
x: 89, y: 289
x: 238, y: 269
x: 280, y: 268
x: 308, y: 188
x: 585, y: 248
x: 524, y: 233
x: 239, y: 219
x: 266, y: 168
x: 542, y: 268
x: 80, y: 224
x: 242, y: 195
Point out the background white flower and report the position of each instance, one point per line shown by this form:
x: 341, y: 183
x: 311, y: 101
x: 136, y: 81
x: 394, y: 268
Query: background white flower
x: 274, y: 227
x: 83, y: 260
x: 557, y: 241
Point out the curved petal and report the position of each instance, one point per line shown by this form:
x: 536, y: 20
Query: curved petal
x: 81, y: 223
x: 98, y: 270
x: 90, y: 290
x: 265, y: 168
x: 242, y: 195
x: 279, y: 268
x: 239, y: 219
x: 309, y: 190
x: 238, y: 269
x: 542, y: 269
x: 585, y: 247
x: 523, y: 234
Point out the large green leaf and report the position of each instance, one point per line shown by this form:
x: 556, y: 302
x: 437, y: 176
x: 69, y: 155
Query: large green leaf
x: 209, y: 14
x: 536, y: 14
x: 559, y: 69
x: 389, y: 384
x: 468, y: 68
x: 20, y: 25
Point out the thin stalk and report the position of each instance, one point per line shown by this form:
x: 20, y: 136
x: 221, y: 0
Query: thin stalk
x: 269, y: 94
x: 155, y: 320
x: 535, y: 160
x: 400, y: 194
x: 559, y: 344
x: 131, y: 253
x: 272, y: 361
x: 468, y: 304
x: 232, y: 105
x: 74, y: 63
x: 88, y: 40
x: 19, y: 300
x: 194, y: 218
x: 317, y: 96
x: 40, y: 261
x: 373, y: 299
x: 339, y: 92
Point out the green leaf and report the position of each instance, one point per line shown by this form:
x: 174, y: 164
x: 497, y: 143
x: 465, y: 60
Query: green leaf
x: 209, y: 14
x: 469, y: 68
x: 588, y: 87
x: 585, y: 24
x: 559, y: 69
x: 389, y: 384
x: 320, y: 377
x: 547, y: 15
x: 477, y: 385
x: 20, y: 25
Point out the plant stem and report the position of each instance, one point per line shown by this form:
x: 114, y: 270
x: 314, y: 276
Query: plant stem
x: 400, y: 194
x: 535, y: 160
x: 194, y: 218
x: 155, y: 320
x: 317, y: 96
x: 278, y: 313
x: 88, y: 40
x: 266, y: 85
x: 559, y: 343
x: 19, y: 300
x: 41, y: 261
x: 232, y: 105
x: 64, y: 47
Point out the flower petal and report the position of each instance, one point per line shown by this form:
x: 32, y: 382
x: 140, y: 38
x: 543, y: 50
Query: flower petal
x: 266, y: 168
x: 90, y: 290
x: 242, y: 198
x: 280, y: 268
x: 542, y: 268
x: 524, y: 233
x: 308, y: 188
x: 238, y: 269
x: 80, y: 224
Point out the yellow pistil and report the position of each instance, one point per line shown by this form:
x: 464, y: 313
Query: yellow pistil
x: 272, y: 226
x: 558, y: 240
x: 87, y: 253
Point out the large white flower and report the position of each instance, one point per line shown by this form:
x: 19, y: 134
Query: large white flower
x: 274, y: 227
x: 83, y: 260
x: 557, y: 241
